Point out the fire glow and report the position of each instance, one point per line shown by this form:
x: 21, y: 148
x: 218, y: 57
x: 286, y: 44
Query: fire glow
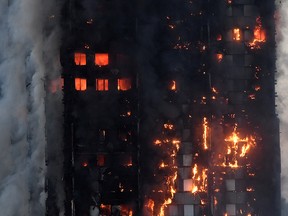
x: 199, y: 179
x: 259, y: 35
x: 169, y: 145
x: 205, y: 133
x: 237, y: 148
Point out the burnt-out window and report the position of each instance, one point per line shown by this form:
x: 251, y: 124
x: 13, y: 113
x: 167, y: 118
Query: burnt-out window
x: 124, y: 84
x: 100, y: 160
x: 80, y: 84
x: 101, y: 59
x: 102, y: 84
x: 80, y: 58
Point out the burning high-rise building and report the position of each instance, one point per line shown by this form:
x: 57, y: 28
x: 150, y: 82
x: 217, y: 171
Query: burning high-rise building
x: 169, y: 108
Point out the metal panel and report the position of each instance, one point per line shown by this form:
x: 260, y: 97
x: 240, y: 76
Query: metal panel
x: 186, y: 198
x: 187, y: 159
x: 230, y: 184
x: 173, y: 210
x: 188, y: 210
x: 231, y: 209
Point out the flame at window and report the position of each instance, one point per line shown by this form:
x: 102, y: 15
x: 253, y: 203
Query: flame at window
x: 219, y: 57
x: 124, y: 84
x: 80, y: 58
x: 236, y: 34
x: 259, y: 35
x: 237, y: 147
x: 101, y: 59
x: 102, y: 84
x: 173, y: 85
x: 80, y: 84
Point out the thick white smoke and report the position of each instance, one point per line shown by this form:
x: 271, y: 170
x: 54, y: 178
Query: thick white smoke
x: 282, y: 91
x: 27, y: 42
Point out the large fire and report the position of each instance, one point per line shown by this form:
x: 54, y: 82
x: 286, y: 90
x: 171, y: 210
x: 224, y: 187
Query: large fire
x: 237, y: 147
x: 199, y: 179
x: 169, y: 145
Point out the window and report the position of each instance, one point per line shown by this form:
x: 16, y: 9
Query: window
x: 102, y: 84
x: 236, y: 34
x: 80, y: 58
x: 188, y: 210
x: 101, y: 59
x: 124, y: 84
x: 100, y: 160
x: 80, y: 84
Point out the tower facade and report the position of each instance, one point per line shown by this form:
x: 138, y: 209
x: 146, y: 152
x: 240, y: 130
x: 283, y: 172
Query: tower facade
x: 169, y: 108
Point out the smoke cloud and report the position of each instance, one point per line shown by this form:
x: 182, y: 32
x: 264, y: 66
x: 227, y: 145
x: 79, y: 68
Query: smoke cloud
x: 282, y: 100
x: 27, y: 58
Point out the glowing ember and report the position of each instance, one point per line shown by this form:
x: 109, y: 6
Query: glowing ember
x: 250, y: 189
x: 219, y: 37
x: 173, y: 85
x: 257, y: 88
x: 236, y: 34
x: 219, y: 57
x: 168, y: 126
x: 85, y: 164
x: 214, y: 90
x: 237, y: 147
x: 80, y: 84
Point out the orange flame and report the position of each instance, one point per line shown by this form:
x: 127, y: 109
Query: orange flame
x: 173, y: 85
x: 169, y: 126
x: 219, y: 37
x: 205, y: 133
x: 219, y: 57
x: 237, y: 147
x: 259, y: 35
x: 80, y: 59
x: 236, y: 34
x: 150, y: 206
x: 199, y: 179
